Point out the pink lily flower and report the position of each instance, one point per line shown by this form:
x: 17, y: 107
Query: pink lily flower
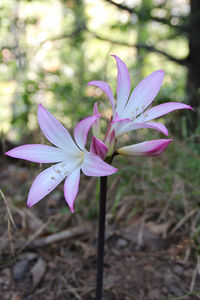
x: 133, y: 111
x: 70, y: 157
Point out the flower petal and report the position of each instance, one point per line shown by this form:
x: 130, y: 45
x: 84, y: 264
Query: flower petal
x: 123, y: 84
x: 39, y: 153
x: 105, y: 87
x: 82, y: 128
x: 149, y: 148
x: 43, y: 184
x: 54, y: 131
x: 110, y: 142
x: 47, y: 180
x: 95, y: 166
x: 158, y: 126
x: 96, y: 124
x: 162, y: 109
x: 71, y: 187
x: 144, y: 93
x: 118, y: 124
x: 134, y: 126
x: 98, y: 147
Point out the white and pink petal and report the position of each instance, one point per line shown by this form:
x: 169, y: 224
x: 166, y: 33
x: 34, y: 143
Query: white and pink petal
x: 39, y: 153
x: 98, y: 147
x: 162, y: 109
x: 105, y: 87
x: 148, y: 148
x: 144, y: 93
x: 123, y: 84
x: 71, y: 187
x: 47, y: 180
x: 96, y: 124
x: 134, y: 126
x: 93, y: 165
x: 82, y: 128
x: 43, y: 184
x: 54, y: 131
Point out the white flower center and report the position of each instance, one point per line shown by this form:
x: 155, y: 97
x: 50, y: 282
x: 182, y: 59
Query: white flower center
x: 64, y: 168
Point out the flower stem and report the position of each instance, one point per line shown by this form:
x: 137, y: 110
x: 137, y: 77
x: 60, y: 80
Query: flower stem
x: 101, y: 237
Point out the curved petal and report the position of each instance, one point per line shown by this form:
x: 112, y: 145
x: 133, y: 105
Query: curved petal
x: 82, y: 128
x: 71, y: 187
x: 118, y: 124
x: 105, y: 87
x: 162, y: 109
x: 123, y: 84
x: 117, y: 119
x: 47, y: 180
x: 43, y: 184
x: 110, y: 142
x: 54, y: 131
x: 95, y: 166
x: 96, y: 124
x: 134, y: 126
x: 144, y: 93
x: 98, y: 147
x: 158, y: 126
x: 149, y: 148
x: 39, y: 153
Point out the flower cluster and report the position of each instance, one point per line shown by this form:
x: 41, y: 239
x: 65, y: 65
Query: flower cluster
x: 133, y: 111
x: 130, y: 113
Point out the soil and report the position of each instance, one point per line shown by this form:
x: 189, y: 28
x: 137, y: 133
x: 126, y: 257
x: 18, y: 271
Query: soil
x: 51, y: 254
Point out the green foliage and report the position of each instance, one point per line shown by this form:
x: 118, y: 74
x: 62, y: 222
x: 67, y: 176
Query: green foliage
x: 51, y: 62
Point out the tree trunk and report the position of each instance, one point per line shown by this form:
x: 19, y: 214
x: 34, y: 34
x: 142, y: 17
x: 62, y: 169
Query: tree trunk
x: 193, y: 79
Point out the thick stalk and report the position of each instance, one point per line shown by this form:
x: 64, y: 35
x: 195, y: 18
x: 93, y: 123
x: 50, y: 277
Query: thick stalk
x: 101, y: 237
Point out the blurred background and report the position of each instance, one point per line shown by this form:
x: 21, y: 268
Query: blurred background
x: 49, y: 50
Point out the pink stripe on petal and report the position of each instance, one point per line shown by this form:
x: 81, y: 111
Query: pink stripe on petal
x: 145, y: 92
x: 162, y: 109
x: 54, y: 131
x: 95, y: 109
x: 95, y: 166
x: 96, y: 124
x: 71, y: 187
x: 123, y: 84
x: 105, y: 87
x: 43, y: 184
x: 82, y: 128
x: 149, y: 148
x: 38, y: 153
x: 98, y: 147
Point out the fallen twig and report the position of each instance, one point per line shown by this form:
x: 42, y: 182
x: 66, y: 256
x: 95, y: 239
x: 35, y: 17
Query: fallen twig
x: 62, y: 235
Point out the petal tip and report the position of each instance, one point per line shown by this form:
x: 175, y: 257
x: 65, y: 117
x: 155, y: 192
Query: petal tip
x: 40, y: 105
x: 29, y: 204
x: 160, y: 73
